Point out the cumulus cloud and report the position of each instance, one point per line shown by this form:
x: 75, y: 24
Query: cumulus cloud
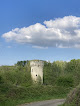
x: 60, y: 32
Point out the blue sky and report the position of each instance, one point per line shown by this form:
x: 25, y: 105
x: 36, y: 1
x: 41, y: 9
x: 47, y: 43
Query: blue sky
x: 39, y: 29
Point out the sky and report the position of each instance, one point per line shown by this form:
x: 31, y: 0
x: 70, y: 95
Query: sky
x: 39, y: 29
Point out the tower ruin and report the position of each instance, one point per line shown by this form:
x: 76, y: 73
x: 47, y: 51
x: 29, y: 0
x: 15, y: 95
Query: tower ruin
x: 37, y: 71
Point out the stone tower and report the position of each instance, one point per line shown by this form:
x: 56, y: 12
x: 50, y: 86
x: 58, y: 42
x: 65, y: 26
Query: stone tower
x: 37, y: 71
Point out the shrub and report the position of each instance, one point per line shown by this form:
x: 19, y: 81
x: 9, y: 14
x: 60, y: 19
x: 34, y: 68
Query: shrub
x: 73, y: 98
x: 65, y: 81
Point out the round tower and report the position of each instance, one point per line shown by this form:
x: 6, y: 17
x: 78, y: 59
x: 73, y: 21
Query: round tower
x: 37, y: 71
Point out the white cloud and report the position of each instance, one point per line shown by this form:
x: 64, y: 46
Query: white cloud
x: 40, y: 47
x: 61, y: 33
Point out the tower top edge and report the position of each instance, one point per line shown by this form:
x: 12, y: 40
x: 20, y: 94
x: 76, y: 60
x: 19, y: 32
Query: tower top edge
x: 36, y: 63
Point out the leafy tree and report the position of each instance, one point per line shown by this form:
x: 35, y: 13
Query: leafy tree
x: 21, y: 63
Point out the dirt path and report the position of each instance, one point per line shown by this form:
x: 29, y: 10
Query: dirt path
x: 55, y: 102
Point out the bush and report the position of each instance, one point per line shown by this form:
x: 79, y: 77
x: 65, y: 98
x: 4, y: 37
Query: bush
x: 10, y: 95
x: 1, y: 80
x: 65, y: 81
x: 73, y: 98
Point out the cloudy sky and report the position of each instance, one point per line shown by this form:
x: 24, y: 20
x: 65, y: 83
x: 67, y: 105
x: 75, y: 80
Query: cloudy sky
x: 39, y: 29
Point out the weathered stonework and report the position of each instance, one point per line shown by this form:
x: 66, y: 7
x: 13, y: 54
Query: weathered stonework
x: 37, y: 71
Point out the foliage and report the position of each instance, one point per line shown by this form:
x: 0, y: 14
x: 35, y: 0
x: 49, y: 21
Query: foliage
x: 73, y: 69
x: 73, y: 98
x: 65, y: 81
x: 52, y: 71
x: 16, y: 84
x: 17, y: 76
x: 21, y: 63
x: 18, y: 95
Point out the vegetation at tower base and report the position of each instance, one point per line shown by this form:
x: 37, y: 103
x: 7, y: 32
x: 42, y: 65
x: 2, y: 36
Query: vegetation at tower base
x: 16, y: 85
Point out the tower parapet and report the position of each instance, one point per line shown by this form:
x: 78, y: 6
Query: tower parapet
x: 36, y: 63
